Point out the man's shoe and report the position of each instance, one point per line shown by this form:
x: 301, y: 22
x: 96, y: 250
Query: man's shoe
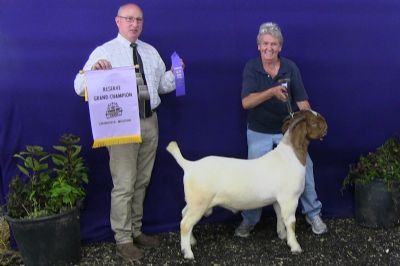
x: 317, y: 225
x: 146, y: 241
x: 128, y: 252
x: 243, y: 230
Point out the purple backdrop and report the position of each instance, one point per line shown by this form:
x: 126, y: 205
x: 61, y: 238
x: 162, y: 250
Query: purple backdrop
x: 347, y: 52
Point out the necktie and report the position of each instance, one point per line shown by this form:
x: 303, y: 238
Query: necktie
x: 143, y: 93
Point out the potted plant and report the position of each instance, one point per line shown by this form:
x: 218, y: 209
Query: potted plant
x: 376, y: 180
x: 43, y: 204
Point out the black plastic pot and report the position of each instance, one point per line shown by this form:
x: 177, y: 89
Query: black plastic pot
x: 376, y: 206
x: 51, y: 240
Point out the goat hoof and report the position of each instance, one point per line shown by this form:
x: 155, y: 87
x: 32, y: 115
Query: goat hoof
x: 296, y: 250
x: 282, y: 235
x: 188, y: 255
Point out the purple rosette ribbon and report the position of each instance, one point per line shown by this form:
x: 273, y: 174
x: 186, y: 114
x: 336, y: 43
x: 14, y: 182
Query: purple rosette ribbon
x: 177, y: 69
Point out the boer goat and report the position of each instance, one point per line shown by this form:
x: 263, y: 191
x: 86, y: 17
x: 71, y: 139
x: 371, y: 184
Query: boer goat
x: 276, y: 178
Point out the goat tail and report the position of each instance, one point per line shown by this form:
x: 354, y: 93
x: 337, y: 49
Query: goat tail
x: 173, y: 148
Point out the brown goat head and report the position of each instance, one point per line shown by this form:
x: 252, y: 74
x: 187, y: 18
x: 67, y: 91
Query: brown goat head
x: 304, y: 126
x: 315, y: 125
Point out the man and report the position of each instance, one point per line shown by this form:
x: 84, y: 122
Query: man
x: 272, y: 87
x: 131, y: 164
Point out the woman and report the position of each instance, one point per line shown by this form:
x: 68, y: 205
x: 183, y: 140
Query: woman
x: 272, y: 87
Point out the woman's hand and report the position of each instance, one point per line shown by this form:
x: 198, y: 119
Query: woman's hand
x: 281, y: 93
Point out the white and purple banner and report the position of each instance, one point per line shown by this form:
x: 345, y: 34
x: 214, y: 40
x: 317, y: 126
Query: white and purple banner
x: 113, y: 106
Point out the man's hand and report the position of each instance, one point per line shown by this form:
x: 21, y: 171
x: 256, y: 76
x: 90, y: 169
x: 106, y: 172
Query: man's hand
x: 102, y: 64
x: 183, y: 66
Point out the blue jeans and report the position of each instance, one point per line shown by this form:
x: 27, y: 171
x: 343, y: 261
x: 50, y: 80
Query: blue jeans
x: 258, y: 145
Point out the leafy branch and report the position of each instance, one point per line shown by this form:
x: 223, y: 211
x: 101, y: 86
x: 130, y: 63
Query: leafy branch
x: 384, y: 164
x: 51, y: 183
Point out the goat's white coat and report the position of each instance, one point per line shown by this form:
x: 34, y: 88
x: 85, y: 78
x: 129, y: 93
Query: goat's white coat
x: 276, y: 178
x: 241, y: 184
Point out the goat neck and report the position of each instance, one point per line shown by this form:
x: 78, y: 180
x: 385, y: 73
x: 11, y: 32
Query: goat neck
x: 295, y: 136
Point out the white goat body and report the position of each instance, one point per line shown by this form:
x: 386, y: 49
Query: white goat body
x: 276, y: 178
x: 238, y: 184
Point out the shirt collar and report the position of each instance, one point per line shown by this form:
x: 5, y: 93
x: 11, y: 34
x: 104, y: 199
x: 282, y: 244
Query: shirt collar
x: 125, y: 42
x: 284, y: 68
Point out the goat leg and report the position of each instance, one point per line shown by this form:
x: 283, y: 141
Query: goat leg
x: 187, y: 224
x: 193, y: 240
x: 288, y: 211
x: 280, y: 226
x: 185, y: 241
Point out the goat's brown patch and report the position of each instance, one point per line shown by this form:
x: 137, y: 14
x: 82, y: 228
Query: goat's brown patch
x: 299, y: 141
x: 304, y: 126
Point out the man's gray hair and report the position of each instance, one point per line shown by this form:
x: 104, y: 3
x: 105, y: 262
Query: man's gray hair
x: 272, y: 29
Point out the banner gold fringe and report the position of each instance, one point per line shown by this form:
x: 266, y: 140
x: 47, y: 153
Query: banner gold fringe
x: 116, y: 140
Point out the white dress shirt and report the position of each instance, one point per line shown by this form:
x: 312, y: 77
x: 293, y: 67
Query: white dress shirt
x: 119, y: 53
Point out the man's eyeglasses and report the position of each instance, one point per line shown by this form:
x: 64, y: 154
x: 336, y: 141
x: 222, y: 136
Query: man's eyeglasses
x: 132, y: 19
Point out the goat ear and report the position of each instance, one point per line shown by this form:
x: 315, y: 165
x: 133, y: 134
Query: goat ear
x: 298, y: 132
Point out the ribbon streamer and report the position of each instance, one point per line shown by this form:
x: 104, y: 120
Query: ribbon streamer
x: 177, y: 69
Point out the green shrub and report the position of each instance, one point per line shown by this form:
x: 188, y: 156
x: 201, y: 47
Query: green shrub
x: 49, y: 183
x: 384, y: 164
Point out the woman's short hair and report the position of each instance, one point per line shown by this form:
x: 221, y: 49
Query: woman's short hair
x: 272, y: 29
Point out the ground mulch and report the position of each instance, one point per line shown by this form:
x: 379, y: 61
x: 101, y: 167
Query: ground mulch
x: 346, y: 243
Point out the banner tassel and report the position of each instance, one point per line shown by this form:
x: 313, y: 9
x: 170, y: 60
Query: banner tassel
x: 116, y: 140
